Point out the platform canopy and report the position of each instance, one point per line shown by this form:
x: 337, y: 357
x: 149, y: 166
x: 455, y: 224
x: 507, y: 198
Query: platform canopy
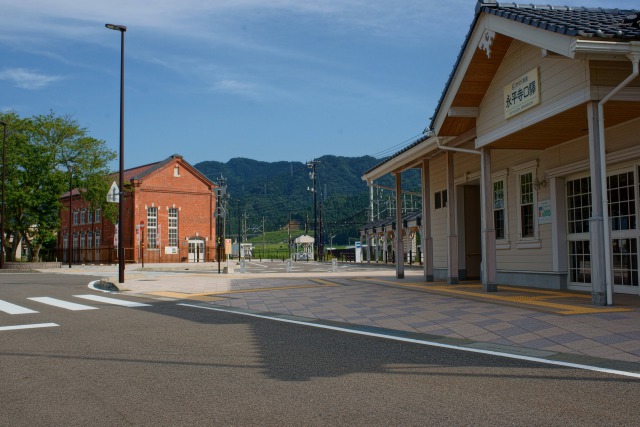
x: 303, y: 239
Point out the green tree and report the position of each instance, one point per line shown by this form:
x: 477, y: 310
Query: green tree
x: 42, y: 152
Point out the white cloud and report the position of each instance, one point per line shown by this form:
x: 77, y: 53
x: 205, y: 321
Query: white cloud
x: 27, y: 79
x: 235, y: 87
x: 199, y: 18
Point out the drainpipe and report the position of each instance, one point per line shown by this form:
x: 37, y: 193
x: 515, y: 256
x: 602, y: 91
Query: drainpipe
x: 635, y: 58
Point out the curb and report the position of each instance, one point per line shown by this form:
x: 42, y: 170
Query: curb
x: 106, y: 285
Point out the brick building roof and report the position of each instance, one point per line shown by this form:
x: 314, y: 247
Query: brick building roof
x: 139, y: 172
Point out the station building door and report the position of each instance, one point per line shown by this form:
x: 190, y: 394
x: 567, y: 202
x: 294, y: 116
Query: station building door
x: 622, y: 189
x: 196, y: 250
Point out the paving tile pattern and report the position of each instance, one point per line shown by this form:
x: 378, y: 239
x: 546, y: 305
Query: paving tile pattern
x: 606, y: 335
x: 364, y: 299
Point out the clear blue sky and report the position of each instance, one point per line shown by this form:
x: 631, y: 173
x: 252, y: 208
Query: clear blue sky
x: 216, y: 79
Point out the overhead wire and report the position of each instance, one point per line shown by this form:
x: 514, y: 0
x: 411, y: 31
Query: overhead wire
x: 395, y: 148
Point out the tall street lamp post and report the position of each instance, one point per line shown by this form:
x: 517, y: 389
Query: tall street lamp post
x: 4, y: 140
x: 142, y: 242
x: 69, y: 235
x: 122, y: 30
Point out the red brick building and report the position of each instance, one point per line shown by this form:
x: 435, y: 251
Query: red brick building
x: 168, y: 205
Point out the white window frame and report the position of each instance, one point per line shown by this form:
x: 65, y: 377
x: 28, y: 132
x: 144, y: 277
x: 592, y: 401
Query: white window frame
x: 97, y: 215
x: 152, y: 228
x: 75, y: 217
x: 443, y: 203
x: 501, y: 176
x: 173, y: 227
x: 528, y: 242
x: 584, y: 234
x: 628, y: 233
x: 625, y: 232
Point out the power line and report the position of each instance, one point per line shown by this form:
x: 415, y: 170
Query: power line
x: 391, y: 150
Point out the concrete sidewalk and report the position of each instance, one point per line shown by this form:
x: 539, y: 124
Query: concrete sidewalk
x: 552, y: 324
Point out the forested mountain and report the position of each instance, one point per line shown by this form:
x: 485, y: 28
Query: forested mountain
x: 276, y: 191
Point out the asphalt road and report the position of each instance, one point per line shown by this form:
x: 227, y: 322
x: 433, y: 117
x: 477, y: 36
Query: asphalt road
x: 169, y: 364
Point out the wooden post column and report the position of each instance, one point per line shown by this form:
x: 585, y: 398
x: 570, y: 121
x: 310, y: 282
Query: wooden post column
x: 427, y: 240
x: 399, y: 240
x: 488, y: 226
x: 452, y: 236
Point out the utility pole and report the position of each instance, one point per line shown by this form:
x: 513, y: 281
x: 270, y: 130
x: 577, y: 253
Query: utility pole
x: 221, y: 190
x: 239, y: 232
x: 289, y: 242
x: 370, y: 202
x: 244, y: 228
x: 320, y: 244
x: 306, y: 223
x: 313, y: 175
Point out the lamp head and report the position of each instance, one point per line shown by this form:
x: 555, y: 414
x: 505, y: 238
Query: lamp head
x: 116, y: 27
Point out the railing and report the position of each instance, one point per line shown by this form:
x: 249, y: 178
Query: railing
x: 86, y: 256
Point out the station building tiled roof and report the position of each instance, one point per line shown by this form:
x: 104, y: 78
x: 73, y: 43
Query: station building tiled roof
x: 571, y: 21
x: 595, y: 23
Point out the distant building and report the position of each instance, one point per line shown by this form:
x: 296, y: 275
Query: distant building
x: 169, y: 203
x: 304, y: 248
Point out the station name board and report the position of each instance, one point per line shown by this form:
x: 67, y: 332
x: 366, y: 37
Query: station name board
x: 522, y: 93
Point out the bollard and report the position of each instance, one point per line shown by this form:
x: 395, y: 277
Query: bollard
x: 334, y: 265
x: 243, y: 267
x: 288, y: 266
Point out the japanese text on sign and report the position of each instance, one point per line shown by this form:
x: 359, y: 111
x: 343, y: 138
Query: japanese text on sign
x: 522, y: 94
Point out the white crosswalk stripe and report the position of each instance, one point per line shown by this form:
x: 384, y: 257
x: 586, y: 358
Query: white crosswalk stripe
x: 33, y: 326
x: 9, y: 308
x: 63, y: 304
x: 114, y: 301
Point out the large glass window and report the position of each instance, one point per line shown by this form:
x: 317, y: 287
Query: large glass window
x: 527, y: 226
x: 579, y: 205
x: 578, y: 214
x: 625, y: 262
x: 152, y: 228
x: 579, y: 261
x: 499, y: 209
x: 97, y: 215
x: 622, y: 205
x: 173, y: 227
x: 75, y: 217
x: 83, y: 216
